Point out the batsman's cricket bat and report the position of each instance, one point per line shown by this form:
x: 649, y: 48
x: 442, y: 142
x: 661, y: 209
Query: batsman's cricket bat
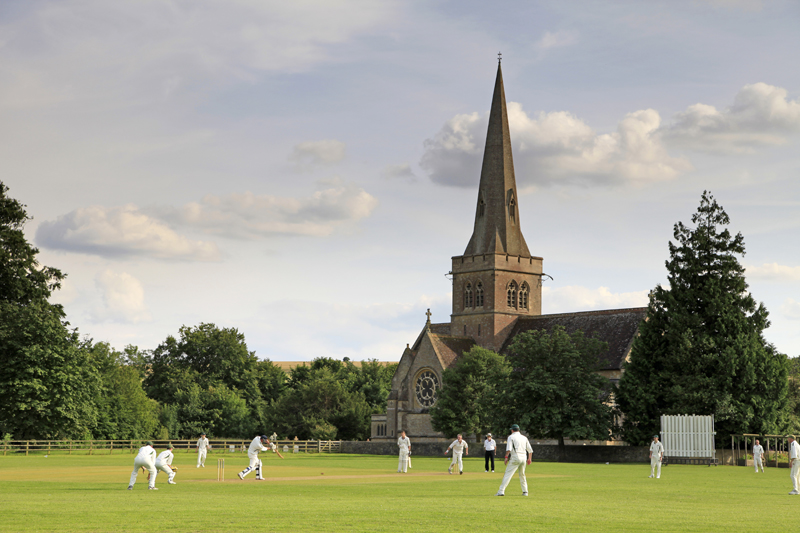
x: 279, y: 454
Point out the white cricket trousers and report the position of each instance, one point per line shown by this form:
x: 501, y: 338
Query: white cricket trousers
x: 201, y: 457
x: 795, y: 475
x: 514, y: 463
x: 654, y: 462
x: 255, y: 464
x: 457, y: 461
x: 402, y: 465
x: 140, y: 462
x: 166, y: 469
x: 758, y: 462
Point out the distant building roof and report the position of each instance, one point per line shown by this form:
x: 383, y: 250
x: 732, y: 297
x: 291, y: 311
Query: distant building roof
x: 450, y: 348
x: 617, y: 327
x: 287, y: 366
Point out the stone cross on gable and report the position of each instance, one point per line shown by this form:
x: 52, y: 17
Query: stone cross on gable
x: 428, y: 322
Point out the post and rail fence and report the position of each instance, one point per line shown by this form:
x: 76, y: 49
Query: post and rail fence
x: 776, y: 449
x: 218, y: 446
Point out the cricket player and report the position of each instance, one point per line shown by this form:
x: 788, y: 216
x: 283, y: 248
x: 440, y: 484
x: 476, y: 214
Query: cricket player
x: 656, y: 455
x: 758, y: 456
x: 794, y: 462
x: 164, y: 464
x: 459, y: 446
x: 145, y: 458
x: 259, y: 444
x: 202, y: 447
x: 404, y: 443
x: 517, y: 448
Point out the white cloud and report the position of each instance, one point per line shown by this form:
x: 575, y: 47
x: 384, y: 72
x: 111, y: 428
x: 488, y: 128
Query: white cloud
x: 555, y: 148
x: 251, y: 216
x: 773, y: 272
x: 74, y: 49
x: 401, y: 171
x: 317, y: 153
x: 120, y: 231
x: 558, y: 39
x: 575, y: 298
x: 791, y: 309
x: 123, y: 298
x: 761, y: 115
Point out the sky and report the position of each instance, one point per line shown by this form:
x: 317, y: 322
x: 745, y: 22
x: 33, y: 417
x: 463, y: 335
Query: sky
x: 304, y: 171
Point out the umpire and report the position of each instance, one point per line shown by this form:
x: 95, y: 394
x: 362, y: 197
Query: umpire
x: 490, y: 446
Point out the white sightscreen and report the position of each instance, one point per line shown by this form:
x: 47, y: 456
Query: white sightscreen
x: 688, y: 435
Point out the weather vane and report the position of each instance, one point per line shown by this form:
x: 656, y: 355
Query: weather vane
x: 499, y: 57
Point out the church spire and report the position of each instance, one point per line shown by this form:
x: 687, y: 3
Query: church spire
x: 497, y: 229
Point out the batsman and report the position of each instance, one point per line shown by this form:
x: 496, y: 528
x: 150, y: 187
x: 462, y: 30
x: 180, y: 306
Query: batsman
x: 260, y: 444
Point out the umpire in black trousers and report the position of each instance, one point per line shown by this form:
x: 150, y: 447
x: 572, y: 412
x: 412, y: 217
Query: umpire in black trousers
x: 490, y: 448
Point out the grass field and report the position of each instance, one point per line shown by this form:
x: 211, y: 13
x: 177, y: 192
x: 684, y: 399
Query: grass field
x: 364, y: 493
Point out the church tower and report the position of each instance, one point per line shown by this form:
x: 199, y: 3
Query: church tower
x: 496, y: 280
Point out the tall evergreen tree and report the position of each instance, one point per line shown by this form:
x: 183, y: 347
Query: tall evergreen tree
x: 47, y: 381
x: 701, y: 349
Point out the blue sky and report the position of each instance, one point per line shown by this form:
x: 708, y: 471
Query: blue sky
x: 305, y: 171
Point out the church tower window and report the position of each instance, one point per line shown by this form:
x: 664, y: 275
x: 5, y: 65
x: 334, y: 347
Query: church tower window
x: 479, y: 294
x: 512, y: 206
x: 511, y: 295
x: 523, y: 296
x: 468, y: 296
x: 481, y: 207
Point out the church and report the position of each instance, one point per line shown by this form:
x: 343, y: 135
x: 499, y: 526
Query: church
x: 497, y: 294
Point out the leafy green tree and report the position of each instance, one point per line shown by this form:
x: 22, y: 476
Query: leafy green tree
x: 701, y: 349
x: 217, y: 410
x: 124, y: 410
x: 467, y: 402
x: 554, y: 390
x: 47, y: 385
x: 320, y: 403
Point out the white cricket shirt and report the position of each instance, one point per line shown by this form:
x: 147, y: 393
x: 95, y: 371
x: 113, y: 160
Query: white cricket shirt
x: 165, y: 458
x: 657, y: 449
x: 519, y: 446
x: 758, y: 450
x: 256, y: 447
x: 490, y: 445
x: 794, y: 451
x: 147, y: 452
x: 459, y: 447
x: 202, y: 443
x: 404, y: 443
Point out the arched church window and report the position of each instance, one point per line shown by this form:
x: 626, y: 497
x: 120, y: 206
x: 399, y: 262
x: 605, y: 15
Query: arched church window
x: 512, y: 206
x: 523, y: 295
x: 511, y: 295
x: 481, y: 207
x: 479, y: 294
x: 468, y: 296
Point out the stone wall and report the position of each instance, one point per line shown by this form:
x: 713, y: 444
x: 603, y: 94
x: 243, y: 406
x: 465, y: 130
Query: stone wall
x: 541, y: 452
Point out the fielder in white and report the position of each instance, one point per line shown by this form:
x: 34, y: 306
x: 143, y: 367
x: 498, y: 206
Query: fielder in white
x: 518, y: 455
x: 656, y: 455
x: 259, y: 444
x: 404, y: 443
x: 202, y: 447
x: 758, y: 456
x: 459, y: 447
x: 164, y: 464
x: 145, y: 458
x: 794, y: 461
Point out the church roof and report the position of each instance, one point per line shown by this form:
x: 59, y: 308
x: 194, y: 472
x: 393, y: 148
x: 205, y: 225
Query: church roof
x: 617, y: 327
x: 450, y: 348
x: 497, y: 229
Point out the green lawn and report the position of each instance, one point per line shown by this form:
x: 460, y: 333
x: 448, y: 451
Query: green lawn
x: 364, y: 493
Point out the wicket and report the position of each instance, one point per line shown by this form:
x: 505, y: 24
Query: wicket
x: 220, y: 469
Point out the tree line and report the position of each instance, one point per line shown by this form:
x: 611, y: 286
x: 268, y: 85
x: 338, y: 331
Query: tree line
x: 701, y: 350
x: 56, y: 384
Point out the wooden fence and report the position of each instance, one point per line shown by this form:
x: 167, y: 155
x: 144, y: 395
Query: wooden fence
x: 218, y: 446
